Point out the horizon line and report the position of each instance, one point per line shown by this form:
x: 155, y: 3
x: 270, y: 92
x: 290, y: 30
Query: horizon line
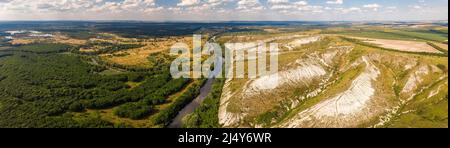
x: 214, y: 21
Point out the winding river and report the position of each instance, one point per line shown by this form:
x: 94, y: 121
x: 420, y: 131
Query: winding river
x: 190, y: 108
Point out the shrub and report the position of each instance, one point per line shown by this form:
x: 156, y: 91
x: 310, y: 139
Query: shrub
x: 154, y: 100
x: 134, y: 77
x: 76, y: 107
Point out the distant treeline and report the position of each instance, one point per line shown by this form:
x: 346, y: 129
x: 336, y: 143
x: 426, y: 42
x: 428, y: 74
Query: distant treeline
x: 106, y: 47
x: 40, y: 48
x: 438, y: 48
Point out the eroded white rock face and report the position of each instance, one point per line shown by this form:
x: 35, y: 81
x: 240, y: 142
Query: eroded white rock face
x: 435, y: 92
x: 327, y: 58
x: 302, y: 41
x: 343, y: 109
x: 415, y: 79
x: 302, y: 74
x: 227, y: 118
x: 410, y: 65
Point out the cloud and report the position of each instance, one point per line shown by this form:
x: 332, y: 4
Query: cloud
x: 4, y: 1
x: 135, y: 6
x: 27, y: 6
x: 196, y: 7
x: 221, y: 9
x: 76, y: 6
x: 349, y: 10
x: 249, y: 5
x: 283, y: 5
x: 277, y: 1
x: 374, y: 7
x: 188, y: 2
x: 417, y: 7
x: 216, y: 3
x: 288, y: 7
x: 391, y: 7
x: 336, y: 2
x: 421, y: 4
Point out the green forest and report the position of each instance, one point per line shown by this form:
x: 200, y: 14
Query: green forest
x: 41, y: 85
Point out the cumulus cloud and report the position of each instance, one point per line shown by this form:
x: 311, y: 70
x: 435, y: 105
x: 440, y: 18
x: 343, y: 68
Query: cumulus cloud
x: 277, y: 1
x: 196, y: 7
x: 249, y: 5
x: 218, y: 9
x: 336, y: 2
x: 374, y: 7
x: 293, y: 7
x: 349, y: 10
x: 416, y: 7
x: 285, y: 4
x: 73, y: 6
x: 188, y: 2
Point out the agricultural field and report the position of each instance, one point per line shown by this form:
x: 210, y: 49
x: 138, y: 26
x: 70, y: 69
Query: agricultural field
x: 117, y: 75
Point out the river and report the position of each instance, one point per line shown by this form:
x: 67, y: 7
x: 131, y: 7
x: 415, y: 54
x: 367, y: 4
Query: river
x: 204, y: 91
x: 190, y: 108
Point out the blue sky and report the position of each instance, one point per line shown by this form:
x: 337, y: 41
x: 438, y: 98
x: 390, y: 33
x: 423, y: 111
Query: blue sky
x: 225, y: 10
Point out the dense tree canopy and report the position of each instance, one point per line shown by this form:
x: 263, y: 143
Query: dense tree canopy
x: 40, y: 87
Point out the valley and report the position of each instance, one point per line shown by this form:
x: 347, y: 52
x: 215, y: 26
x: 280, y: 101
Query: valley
x: 335, y: 75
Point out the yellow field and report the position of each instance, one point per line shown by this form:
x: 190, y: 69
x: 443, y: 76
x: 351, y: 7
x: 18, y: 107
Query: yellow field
x: 22, y: 41
x: 66, y: 40
x: 138, y: 56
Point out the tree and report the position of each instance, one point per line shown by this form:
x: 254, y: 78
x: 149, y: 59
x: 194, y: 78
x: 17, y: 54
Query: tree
x: 76, y: 107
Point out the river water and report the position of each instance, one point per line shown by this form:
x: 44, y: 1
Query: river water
x: 204, y: 91
x: 190, y: 108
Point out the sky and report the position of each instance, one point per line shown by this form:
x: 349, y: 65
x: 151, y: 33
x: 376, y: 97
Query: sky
x: 225, y: 10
